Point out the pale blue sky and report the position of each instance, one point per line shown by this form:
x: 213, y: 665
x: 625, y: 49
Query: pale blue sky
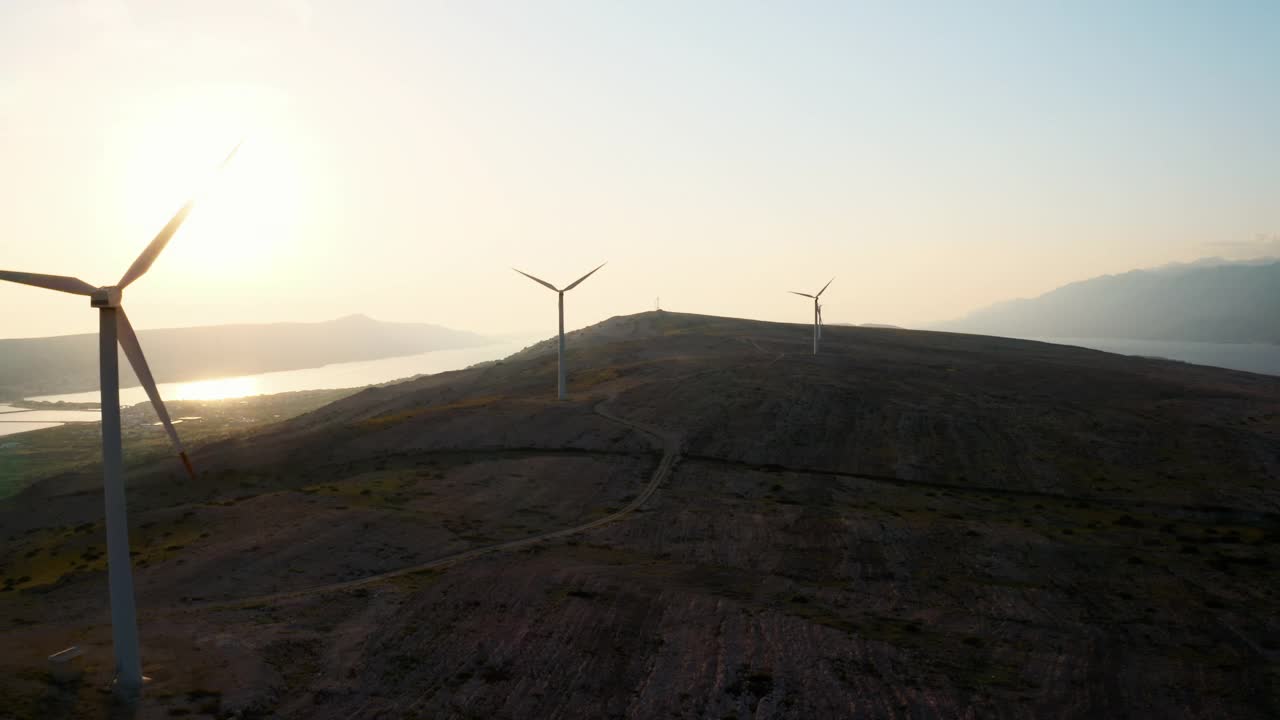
x: 935, y: 157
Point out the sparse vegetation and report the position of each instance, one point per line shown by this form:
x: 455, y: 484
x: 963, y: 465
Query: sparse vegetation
x: 908, y: 532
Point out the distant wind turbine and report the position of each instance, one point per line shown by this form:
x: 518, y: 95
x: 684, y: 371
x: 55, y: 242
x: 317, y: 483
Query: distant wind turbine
x: 817, y: 313
x: 560, y: 382
x: 113, y: 327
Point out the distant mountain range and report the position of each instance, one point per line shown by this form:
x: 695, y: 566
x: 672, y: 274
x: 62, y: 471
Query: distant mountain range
x: 32, y: 367
x: 1206, y: 301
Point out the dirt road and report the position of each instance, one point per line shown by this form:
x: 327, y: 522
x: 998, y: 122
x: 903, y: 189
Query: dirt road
x: 671, y: 444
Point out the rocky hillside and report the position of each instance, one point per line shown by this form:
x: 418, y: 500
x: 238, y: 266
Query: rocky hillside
x: 911, y: 524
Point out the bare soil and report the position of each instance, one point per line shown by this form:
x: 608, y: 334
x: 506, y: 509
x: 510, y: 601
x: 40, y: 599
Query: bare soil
x: 910, y: 525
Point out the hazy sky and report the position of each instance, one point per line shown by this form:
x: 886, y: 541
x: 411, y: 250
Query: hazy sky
x: 934, y: 157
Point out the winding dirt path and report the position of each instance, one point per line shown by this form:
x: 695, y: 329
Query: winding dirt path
x: 671, y: 448
x: 671, y: 441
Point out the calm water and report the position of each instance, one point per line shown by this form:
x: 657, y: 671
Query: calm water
x: 1250, y: 357
x: 342, y: 375
x: 15, y: 427
x: 16, y: 420
x: 1259, y: 358
x: 57, y: 416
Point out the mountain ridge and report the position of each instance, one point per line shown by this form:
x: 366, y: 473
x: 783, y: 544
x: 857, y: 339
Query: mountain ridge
x: 69, y: 363
x: 1201, y: 302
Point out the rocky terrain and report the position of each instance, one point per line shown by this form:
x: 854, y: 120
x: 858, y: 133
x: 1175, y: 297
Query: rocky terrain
x: 910, y: 525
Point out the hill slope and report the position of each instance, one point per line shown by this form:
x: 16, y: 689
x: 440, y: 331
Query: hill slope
x: 45, y: 366
x: 1219, y: 303
x: 911, y: 524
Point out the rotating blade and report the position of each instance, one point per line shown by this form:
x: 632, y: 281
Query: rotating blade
x: 584, y: 277
x: 538, y: 280
x: 133, y: 350
x: 157, y: 245
x: 61, y: 283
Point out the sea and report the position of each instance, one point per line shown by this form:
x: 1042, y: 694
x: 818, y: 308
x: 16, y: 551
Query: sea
x: 15, y: 420
x: 1250, y: 357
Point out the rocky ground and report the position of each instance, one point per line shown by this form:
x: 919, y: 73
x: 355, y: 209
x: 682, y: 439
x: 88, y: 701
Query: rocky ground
x: 911, y: 525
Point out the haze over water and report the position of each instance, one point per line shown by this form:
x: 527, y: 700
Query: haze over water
x: 1253, y: 357
x: 1249, y: 357
x: 340, y: 375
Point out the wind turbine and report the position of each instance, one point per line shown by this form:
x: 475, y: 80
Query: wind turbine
x: 817, y: 313
x: 560, y: 389
x: 113, y: 327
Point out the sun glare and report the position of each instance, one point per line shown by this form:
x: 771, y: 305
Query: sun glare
x: 245, y: 213
x: 220, y: 389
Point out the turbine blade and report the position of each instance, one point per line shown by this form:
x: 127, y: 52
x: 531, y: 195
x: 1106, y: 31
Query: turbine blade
x: 539, y: 281
x: 133, y: 350
x: 149, y: 255
x: 824, y: 287
x: 584, y: 277
x: 61, y: 283
x: 793, y: 292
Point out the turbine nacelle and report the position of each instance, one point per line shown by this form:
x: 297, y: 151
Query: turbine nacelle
x: 106, y: 297
x: 560, y: 366
x: 560, y: 291
x: 115, y: 333
x: 817, y: 312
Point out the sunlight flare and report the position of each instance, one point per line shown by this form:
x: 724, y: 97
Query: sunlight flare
x: 218, y: 389
x: 242, y: 221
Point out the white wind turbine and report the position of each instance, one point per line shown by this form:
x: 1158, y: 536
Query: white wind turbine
x: 817, y: 313
x: 113, y: 327
x: 560, y: 383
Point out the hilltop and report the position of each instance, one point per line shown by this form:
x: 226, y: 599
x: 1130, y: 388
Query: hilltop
x: 1206, y: 301
x: 69, y: 363
x: 910, y: 524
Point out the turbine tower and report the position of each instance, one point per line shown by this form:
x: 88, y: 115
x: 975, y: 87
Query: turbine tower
x: 113, y: 328
x: 817, y: 313
x: 560, y: 381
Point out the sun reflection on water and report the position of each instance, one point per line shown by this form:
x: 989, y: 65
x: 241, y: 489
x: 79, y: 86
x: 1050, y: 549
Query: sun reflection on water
x: 219, y: 389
